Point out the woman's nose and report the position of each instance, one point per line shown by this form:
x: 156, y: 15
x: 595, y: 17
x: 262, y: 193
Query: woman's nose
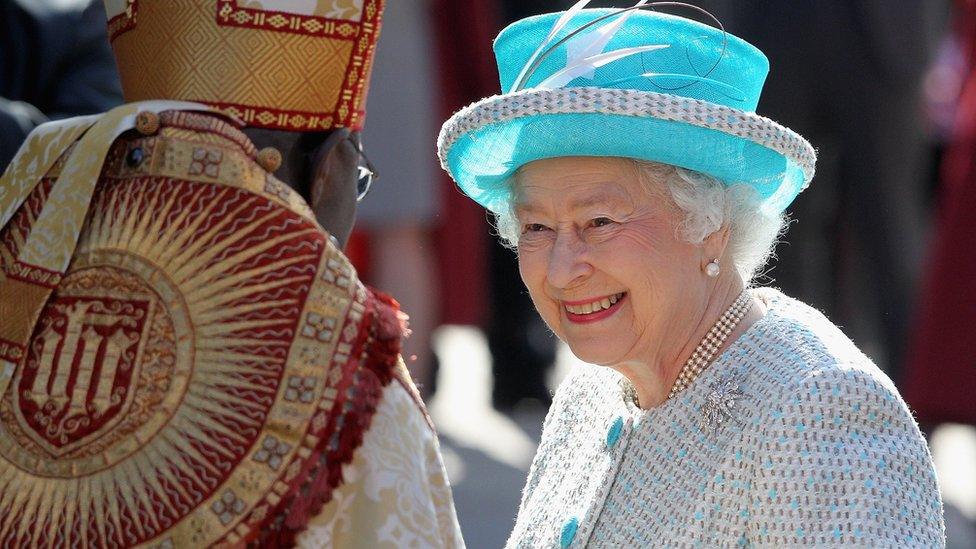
x: 568, y: 262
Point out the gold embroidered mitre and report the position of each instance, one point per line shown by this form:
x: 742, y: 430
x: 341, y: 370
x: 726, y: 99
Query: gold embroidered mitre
x: 300, y: 65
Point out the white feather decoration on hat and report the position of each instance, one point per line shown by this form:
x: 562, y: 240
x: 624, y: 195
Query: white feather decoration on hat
x: 595, y: 41
x: 589, y: 64
x: 584, y: 53
x: 560, y: 23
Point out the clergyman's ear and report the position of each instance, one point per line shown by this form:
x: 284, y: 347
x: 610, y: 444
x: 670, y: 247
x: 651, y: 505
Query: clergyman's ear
x: 333, y: 183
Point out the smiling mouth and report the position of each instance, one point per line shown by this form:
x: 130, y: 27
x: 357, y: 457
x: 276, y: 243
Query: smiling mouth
x: 593, y: 307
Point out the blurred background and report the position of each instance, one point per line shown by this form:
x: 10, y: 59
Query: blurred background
x: 882, y: 242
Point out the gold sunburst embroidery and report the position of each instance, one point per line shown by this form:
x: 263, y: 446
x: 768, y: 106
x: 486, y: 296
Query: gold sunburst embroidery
x: 238, y: 268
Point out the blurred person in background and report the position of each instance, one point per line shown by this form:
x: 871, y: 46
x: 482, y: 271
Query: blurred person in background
x: 522, y: 348
x: 625, y: 161
x: 848, y: 75
x: 940, y: 382
x: 187, y: 358
x: 55, y: 62
x: 400, y: 215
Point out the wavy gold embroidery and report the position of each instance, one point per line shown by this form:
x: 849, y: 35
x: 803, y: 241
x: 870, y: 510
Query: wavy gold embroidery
x: 195, y: 364
x: 156, y: 365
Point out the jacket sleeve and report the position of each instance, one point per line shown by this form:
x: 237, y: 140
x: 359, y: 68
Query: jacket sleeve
x: 396, y: 492
x: 845, y: 464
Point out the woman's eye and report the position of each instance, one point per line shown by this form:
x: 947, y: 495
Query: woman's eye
x: 534, y: 228
x: 601, y: 222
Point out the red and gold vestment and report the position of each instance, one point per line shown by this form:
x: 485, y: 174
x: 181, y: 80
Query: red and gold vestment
x: 191, y: 361
x: 186, y: 360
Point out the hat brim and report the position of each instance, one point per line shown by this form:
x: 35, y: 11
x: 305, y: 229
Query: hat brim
x: 484, y: 144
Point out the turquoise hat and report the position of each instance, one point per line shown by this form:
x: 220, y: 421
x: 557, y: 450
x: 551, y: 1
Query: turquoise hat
x: 625, y: 83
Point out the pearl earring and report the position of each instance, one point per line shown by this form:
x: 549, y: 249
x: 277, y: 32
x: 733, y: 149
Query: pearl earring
x: 712, y: 269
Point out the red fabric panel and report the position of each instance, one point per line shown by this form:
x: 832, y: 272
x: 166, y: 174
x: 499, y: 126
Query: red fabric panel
x: 467, y: 68
x: 940, y: 382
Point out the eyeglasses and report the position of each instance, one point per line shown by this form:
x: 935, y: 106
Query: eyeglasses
x: 367, y: 173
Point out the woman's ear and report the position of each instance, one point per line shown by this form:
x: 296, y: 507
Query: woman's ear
x: 714, y: 245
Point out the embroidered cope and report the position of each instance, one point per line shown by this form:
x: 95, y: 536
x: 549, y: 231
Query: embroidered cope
x: 188, y: 360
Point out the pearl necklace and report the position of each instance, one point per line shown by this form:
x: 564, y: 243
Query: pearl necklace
x: 705, y: 352
x: 713, y: 341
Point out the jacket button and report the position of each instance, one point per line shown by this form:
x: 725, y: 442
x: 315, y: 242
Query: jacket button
x: 569, y: 532
x: 613, y: 435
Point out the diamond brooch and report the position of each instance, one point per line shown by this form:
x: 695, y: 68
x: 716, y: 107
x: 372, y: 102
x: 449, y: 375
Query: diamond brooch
x: 720, y: 404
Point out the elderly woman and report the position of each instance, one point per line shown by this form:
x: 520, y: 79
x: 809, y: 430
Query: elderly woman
x: 626, y: 163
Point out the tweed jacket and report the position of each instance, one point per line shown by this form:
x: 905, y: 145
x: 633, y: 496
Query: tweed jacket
x: 792, y: 437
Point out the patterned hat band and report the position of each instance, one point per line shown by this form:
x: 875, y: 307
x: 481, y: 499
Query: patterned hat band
x: 641, y: 104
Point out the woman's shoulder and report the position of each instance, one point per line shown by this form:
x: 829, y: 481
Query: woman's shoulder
x: 800, y: 331
x: 822, y: 412
x: 795, y: 345
x: 805, y: 365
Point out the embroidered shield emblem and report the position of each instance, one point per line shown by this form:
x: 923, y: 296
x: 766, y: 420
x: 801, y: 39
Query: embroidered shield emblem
x: 83, y: 361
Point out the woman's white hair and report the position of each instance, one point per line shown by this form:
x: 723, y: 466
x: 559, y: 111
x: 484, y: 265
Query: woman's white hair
x: 708, y: 205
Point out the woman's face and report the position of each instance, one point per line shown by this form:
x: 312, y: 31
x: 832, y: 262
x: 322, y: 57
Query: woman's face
x: 600, y: 258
